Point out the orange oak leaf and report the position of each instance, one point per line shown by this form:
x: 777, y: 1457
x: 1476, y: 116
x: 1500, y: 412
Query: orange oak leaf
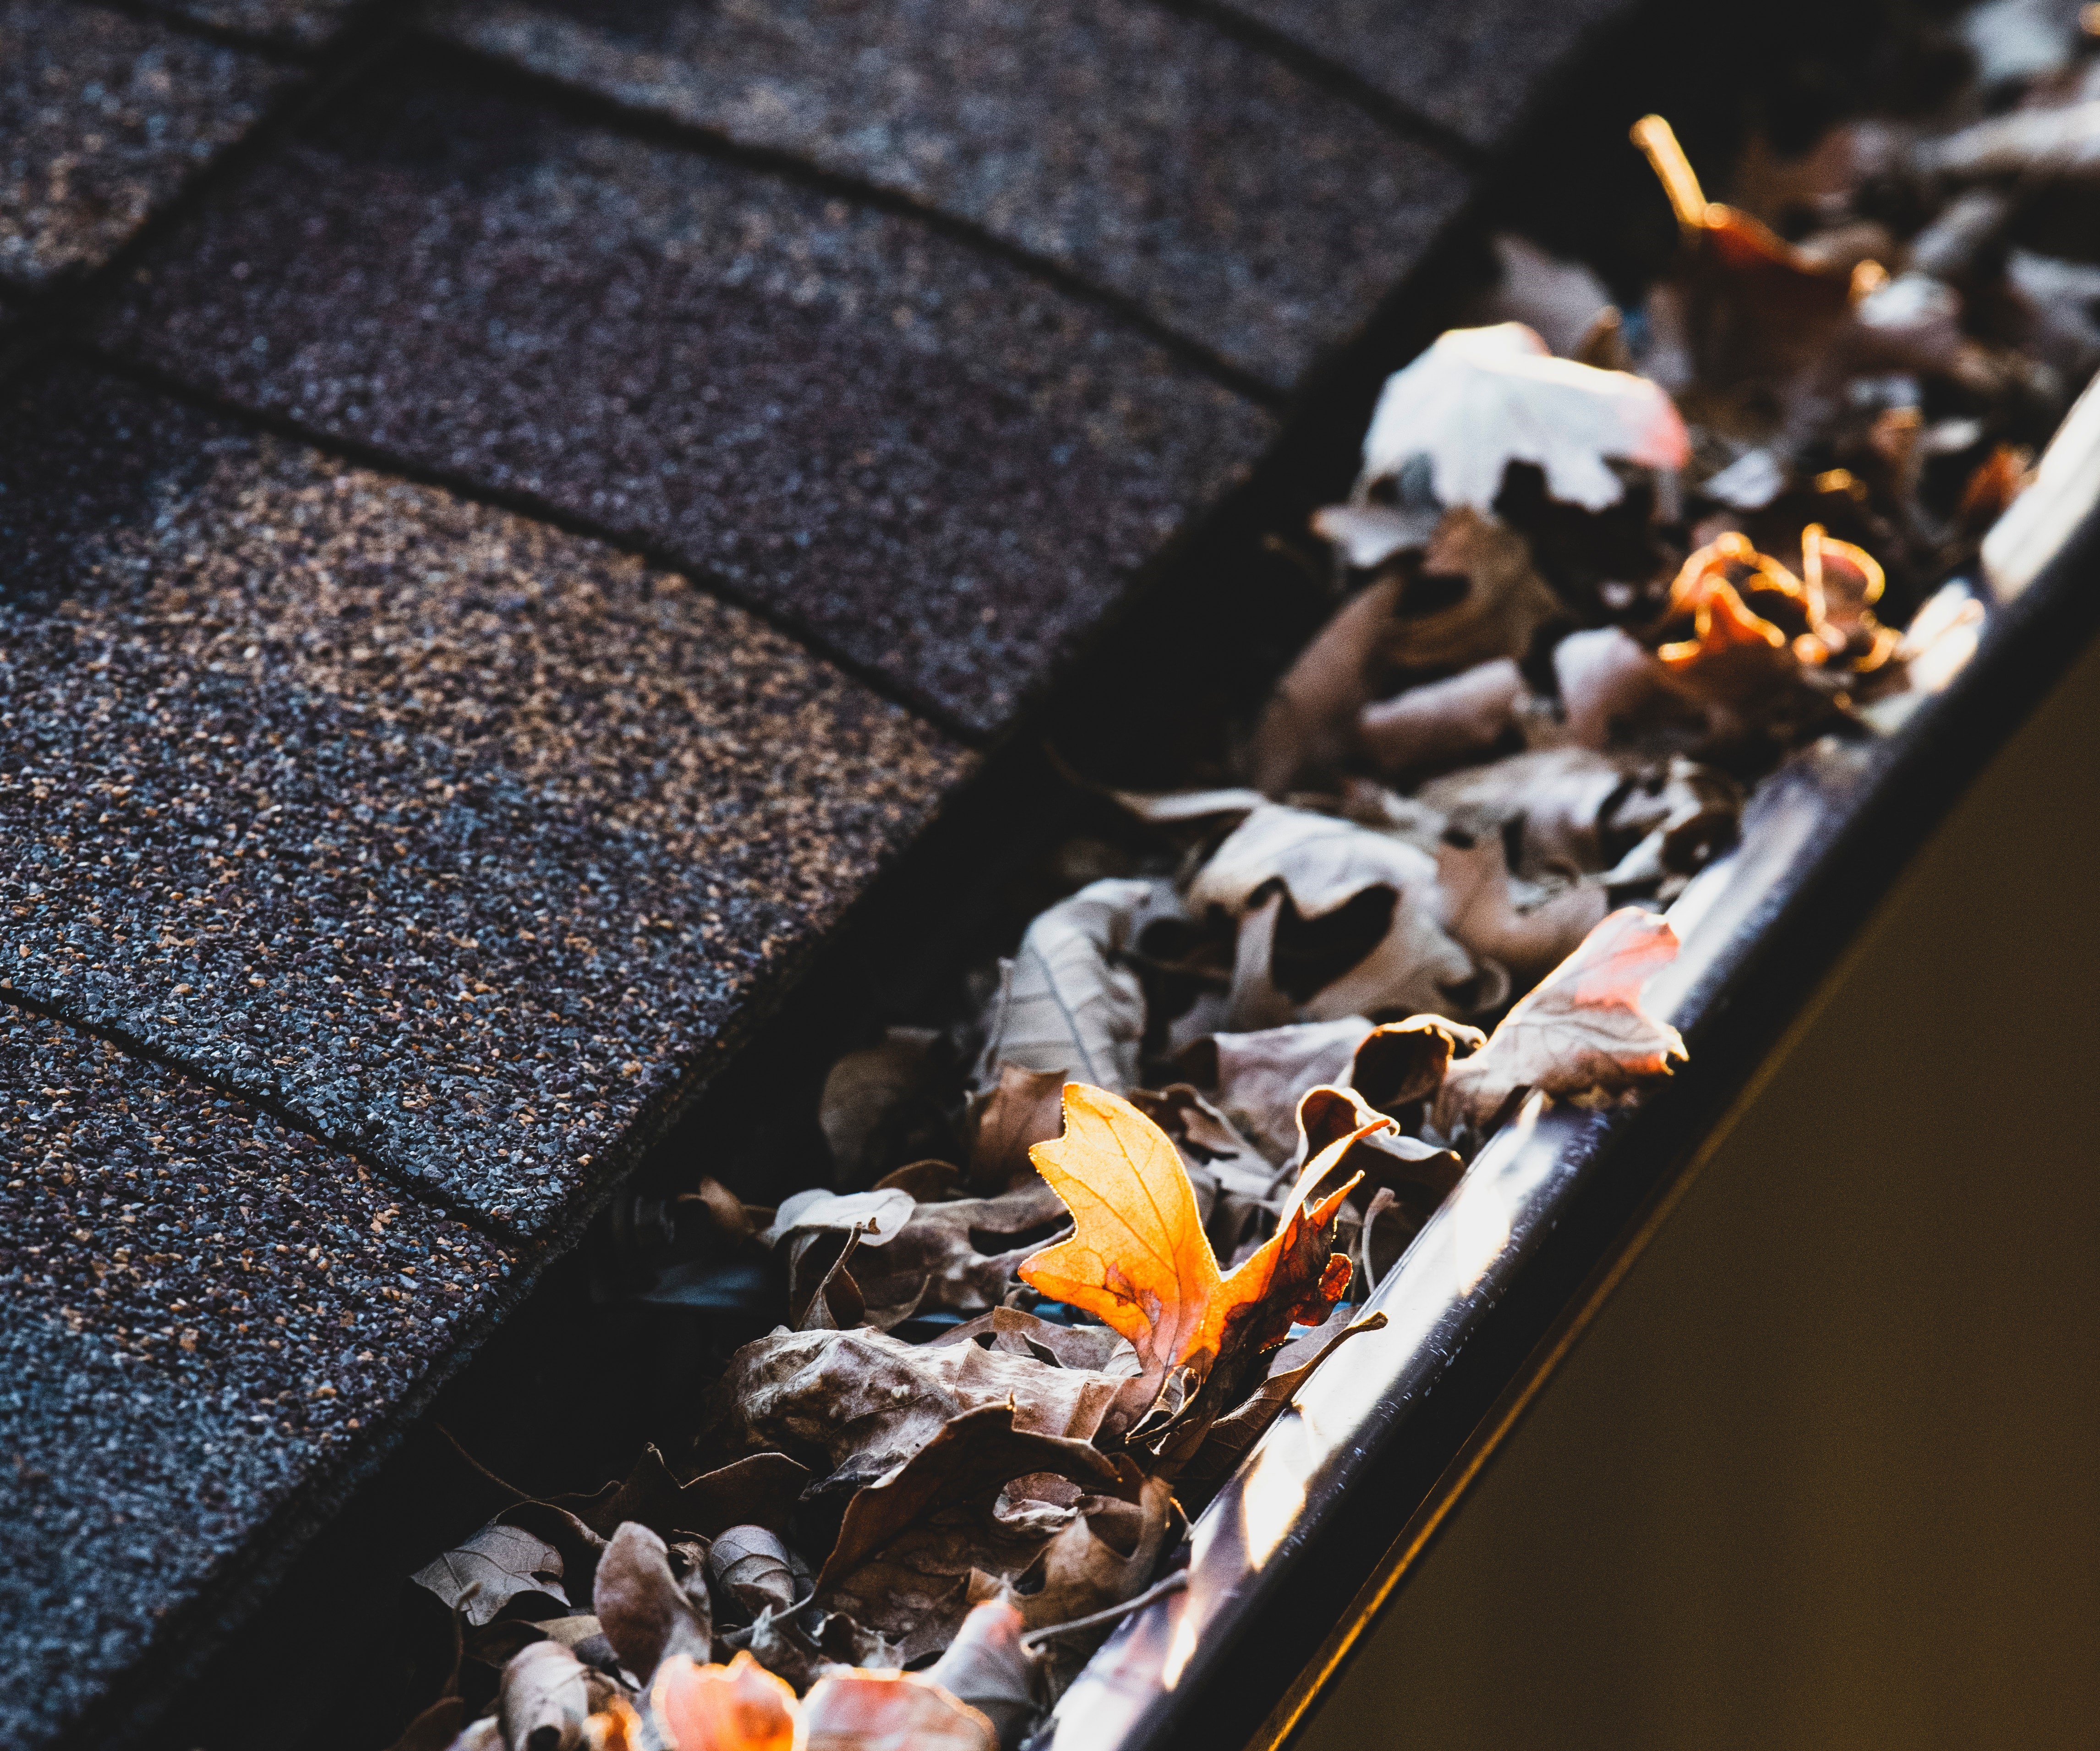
x: 1138, y: 1257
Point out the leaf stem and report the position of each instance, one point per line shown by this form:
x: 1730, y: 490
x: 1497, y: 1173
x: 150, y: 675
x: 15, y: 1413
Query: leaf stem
x: 1158, y: 1590
x: 1657, y: 141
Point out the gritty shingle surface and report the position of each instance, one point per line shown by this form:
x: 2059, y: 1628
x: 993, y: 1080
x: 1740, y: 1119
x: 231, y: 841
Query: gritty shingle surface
x: 459, y: 837
x: 305, y: 24
x: 101, y: 118
x: 1142, y: 149
x: 937, y: 463
x: 1474, y: 66
x: 199, y: 1311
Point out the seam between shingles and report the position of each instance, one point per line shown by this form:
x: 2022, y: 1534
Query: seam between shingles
x: 50, y: 307
x: 275, y: 48
x: 658, y: 556
x: 580, y: 104
x: 1334, y: 78
x: 132, y: 1045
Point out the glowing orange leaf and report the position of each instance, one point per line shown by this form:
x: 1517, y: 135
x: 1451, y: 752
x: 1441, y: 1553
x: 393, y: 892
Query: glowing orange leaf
x: 738, y: 1707
x: 1138, y: 1259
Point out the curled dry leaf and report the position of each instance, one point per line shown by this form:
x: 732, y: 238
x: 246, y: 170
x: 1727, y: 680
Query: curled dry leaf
x: 761, y: 1489
x: 1258, y: 1078
x: 880, y: 1215
x: 1560, y: 300
x: 986, y: 1668
x: 1576, y: 811
x: 1478, y: 399
x: 1397, y: 1068
x: 1583, y: 1028
x: 1109, y: 1552
x: 1335, y: 920
x: 543, y: 1699
x: 891, y: 1711
x: 865, y: 1091
x: 496, y: 1565
x: 1359, y: 1143
x: 1069, y: 1002
x: 642, y: 1609
x: 1501, y: 608
x: 752, y: 1565
x: 2063, y: 141
x: 1307, y: 732
x: 1228, y: 1441
x: 1138, y: 1259
x: 1609, y: 680
x: 975, y: 1454
x: 1485, y: 915
x: 738, y: 1707
x: 1020, y: 1111
x: 1021, y: 1334
x: 437, y: 1728
x: 1446, y: 721
x: 860, y: 1403
x: 940, y: 1258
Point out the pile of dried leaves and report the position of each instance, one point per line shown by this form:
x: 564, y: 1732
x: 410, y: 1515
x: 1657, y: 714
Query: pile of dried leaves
x: 1600, y: 573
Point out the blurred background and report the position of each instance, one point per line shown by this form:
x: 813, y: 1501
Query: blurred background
x: 1822, y: 1472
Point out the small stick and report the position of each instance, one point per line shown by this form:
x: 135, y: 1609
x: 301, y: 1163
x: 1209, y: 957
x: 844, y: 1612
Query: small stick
x: 1657, y: 141
x: 1158, y: 1590
x: 504, y: 1483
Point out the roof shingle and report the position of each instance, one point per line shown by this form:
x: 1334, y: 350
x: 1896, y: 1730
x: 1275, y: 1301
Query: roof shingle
x: 1141, y: 149
x: 925, y: 458
x: 202, y: 1311
x: 460, y: 838
x: 101, y: 118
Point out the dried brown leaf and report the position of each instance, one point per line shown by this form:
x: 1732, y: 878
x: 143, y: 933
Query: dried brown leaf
x: 1440, y: 722
x: 1258, y: 1078
x: 1358, y: 1142
x: 958, y: 1256
x: 1335, y: 920
x: 752, y: 1565
x: 865, y: 1091
x: 975, y: 1455
x: 501, y: 1563
x: 642, y: 1610
x: 1022, y: 1333
x: 543, y: 1699
x: 1307, y: 731
x: 858, y: 1403
x: 1399, y: 1067
x: 1070, y: 1003
x: 986, y: 1668
x: 1484, y: 916
x: 1108, y: 1554
x: 1504, y: 603
x: 435, y: 1728
x: 1021, y: 1111
x: 1558, y: 299
x: 1583, y: 1028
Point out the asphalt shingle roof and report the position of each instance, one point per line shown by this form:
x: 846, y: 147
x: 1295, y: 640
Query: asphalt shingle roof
x: 495, y: 568
x: 102, y: 118
x: 1142, y: 149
